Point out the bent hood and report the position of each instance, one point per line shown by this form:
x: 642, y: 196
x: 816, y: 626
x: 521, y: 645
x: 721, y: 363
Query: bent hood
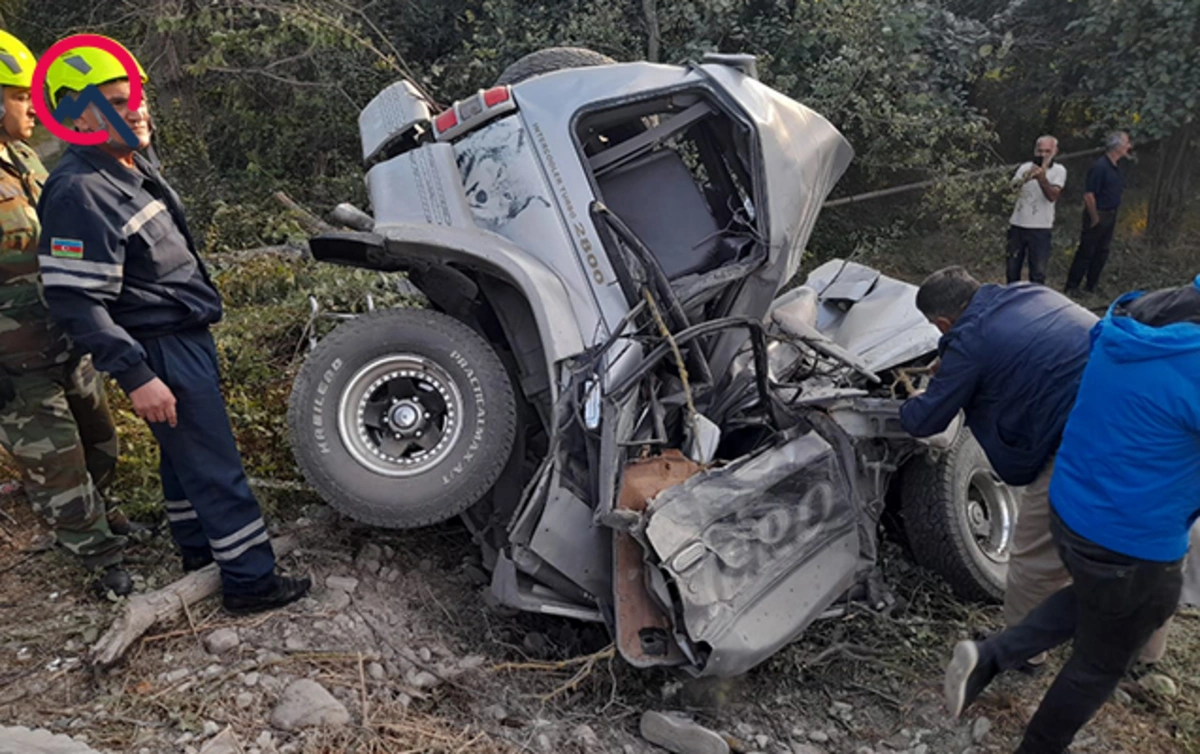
x: 1124, y: 339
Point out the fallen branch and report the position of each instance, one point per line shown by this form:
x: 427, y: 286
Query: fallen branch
x: 143, y: 611
x: 311, y: 223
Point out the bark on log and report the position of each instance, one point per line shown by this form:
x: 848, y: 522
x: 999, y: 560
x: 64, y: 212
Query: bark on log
x: 311, y: 223
x: 145, y: 610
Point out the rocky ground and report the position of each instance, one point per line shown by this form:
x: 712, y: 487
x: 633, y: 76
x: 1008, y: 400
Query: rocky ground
x: 395, y: 651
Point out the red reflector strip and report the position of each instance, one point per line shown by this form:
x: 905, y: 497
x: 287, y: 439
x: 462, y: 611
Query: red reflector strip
x: 493, y: 97
x: 445, y: 121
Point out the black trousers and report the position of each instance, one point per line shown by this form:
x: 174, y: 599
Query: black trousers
x: 1092, y: 254
x: 209, y: 503
x: 1031, y: 242
x: 1113, y: 605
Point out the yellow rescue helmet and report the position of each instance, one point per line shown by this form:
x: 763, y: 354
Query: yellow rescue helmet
x: 80, y: 67
x: 16, y: 62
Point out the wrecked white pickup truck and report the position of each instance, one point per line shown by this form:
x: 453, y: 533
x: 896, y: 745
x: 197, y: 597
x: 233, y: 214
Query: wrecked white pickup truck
x: 610, y: 384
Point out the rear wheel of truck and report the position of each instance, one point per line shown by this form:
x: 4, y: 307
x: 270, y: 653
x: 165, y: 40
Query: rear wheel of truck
x: 959, y: 519
x: 402, y: 418
x: 549, y: 60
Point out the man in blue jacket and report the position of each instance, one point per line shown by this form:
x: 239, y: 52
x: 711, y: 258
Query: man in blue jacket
x: 1123, y: 500
x: 1011, y: 358
x: 122, y: 276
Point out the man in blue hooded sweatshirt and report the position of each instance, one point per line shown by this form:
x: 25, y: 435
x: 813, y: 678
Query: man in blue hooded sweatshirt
x: 1123, y: 499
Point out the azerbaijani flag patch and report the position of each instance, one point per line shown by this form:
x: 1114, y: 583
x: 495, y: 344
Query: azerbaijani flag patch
x: 66, y: 247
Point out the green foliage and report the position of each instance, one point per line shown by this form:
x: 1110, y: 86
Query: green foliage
x: 1144, y: 67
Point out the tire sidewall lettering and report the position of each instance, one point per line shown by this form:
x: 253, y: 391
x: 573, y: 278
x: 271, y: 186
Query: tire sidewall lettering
x: 472, y: 388
x: 320, y: 415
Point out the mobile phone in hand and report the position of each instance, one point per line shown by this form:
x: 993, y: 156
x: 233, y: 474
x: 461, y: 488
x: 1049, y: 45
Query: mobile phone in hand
x: 1037, y: 160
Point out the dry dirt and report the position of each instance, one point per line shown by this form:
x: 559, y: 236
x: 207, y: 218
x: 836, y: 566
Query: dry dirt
x: 423, y: 666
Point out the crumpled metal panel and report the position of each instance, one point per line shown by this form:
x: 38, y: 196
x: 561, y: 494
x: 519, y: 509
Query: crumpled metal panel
x: 882, y: 324
x: 758, y: 549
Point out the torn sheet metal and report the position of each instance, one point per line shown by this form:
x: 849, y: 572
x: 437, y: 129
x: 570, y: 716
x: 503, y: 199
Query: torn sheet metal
x: 757, y: 549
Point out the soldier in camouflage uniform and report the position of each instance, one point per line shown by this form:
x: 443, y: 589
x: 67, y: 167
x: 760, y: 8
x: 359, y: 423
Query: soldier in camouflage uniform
x: 54, y: 417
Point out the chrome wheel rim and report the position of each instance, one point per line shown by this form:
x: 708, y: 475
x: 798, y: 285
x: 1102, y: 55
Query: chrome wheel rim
x: 400, y: 415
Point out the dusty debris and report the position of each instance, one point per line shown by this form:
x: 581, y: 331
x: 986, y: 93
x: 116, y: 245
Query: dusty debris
x: 307, y: 704
x: 681, y: 734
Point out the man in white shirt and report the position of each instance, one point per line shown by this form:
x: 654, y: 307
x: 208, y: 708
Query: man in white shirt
x: 1041, y: 181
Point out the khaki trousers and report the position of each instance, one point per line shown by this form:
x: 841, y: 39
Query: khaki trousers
x: 1035, y: 570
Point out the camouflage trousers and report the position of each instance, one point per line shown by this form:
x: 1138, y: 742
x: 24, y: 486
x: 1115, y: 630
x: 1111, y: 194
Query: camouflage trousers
x: 59, y: 430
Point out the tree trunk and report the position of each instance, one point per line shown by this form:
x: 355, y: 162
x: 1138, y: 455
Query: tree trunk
x: 650, y: 11
x: 1172, y: 183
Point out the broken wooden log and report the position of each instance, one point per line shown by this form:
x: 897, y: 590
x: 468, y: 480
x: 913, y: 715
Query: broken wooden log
x: 310, y: 222
x: 143, y: 611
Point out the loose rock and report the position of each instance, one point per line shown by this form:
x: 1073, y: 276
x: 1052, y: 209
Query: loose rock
x: 221, y: 641
x: 819, y: 736
x: 224, y: 743
x: 1159, y: 684
x: 376, y: 671
x: 585, y: 737
x: 175, y: 676
x: 341, y: 583
x: 22, y: 740
x: 337, y: 600
x: 244, y: 700
x: 211, y: 728
x: 980, y: 728
x: 306, y: 703
x: 423, y: 679
x: 534, y: 643
x: 680, y: 734
x: 806, y: 749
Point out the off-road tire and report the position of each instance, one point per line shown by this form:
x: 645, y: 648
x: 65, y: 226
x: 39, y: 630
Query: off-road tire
x: 549, y: 60
x: 459, y: 474
x: 934, y: 502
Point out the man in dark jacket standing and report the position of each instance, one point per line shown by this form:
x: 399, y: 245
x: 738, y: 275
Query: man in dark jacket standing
x: 1101, y: 200
x: 1123, y: 500
x: 122, y: 276
x: 1011, y: 358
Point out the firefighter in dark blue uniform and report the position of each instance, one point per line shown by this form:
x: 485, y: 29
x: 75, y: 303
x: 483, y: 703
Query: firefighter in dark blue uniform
x: 121, y: 274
